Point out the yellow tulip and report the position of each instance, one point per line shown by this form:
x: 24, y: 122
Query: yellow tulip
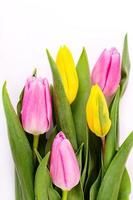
x: 97, y: 112
x: 67, y: 70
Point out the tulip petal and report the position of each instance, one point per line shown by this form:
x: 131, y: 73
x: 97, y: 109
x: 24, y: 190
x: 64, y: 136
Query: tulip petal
x: 64, y: 168
x: 36, y: 107
x: 100, y: 70
x: 107, y: 71
x: 67, y: 70
x: 69, y: 165
x: 114, y: 75
x: 97, y: 112
x: 48, y: 103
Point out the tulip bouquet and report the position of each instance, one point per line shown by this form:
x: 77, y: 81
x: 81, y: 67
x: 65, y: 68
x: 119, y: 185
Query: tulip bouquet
x: 64, y: 137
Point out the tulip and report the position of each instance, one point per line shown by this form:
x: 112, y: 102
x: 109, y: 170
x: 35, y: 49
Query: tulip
x: 36, y: 106
x: 107, y: 72
x: 67, y: 70
x: 64, y: 168
x: 97, y: 112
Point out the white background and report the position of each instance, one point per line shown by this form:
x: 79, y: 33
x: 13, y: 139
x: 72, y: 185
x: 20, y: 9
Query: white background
x: 27, y: 27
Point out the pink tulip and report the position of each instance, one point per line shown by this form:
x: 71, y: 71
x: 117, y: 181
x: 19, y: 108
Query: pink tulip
x: 64, y: 168
x: 36, y: 107
x: 107, y: 71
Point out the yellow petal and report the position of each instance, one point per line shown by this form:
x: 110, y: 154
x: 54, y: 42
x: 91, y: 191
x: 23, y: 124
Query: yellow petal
x: 67, y: 70
x: 97, y: 112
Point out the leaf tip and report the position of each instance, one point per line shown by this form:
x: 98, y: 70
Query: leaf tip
x: 48, y: 54
x: 34, y: 72
x: 4, y: 87
x: 126, y: 36
x: 126, y: 39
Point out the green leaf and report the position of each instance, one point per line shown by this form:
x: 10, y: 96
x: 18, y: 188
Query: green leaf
x: 21, y: 151
x: 79, y: 156
x: 112, y: 136
x: 53, y: 194
x: 43, y: 185
x: 50, y: 140
x: 76, y: 193
x: 125, y: 187
x: 110, y: 184
x: 112, y: 145
x: 18, y: 190
x: 34, y: 72
x: 125, y: 69
x: 39, y: 158
x: 95, y: 187
x: 79, y: 107
x: 63, y: 108
x: 19, y: 104
x: 94, y: 161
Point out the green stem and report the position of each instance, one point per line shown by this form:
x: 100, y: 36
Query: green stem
x: 64, y: 195
x: 35, y: 145
x: 103, y: 154
x: 103, y: 148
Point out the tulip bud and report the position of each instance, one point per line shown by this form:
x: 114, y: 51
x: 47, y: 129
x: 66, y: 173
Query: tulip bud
x: 36, y: 106
x: 107, y: 72
x: 67, y: 70
x: 97, y: 112
x: 64, y: 168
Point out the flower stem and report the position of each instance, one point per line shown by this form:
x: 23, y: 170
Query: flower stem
x: 103, y: 152
x: 64, y: 195
x: 103, y: 147
x: 35, y: 145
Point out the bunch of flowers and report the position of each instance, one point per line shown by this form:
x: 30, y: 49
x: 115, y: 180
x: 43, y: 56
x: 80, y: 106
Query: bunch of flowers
x: 64, y: 136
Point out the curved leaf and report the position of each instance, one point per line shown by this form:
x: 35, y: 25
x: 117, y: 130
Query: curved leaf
x: 63, y: 108
x: 95, y: 187
x: 21, y: 151
x: 18, y: 190
x: 125, y: 70
x: 110, y: 185
x: 50, y: 140
x: 79, y: 108
x: 43, y: 185
x: 79, y: 156
x: 112, y: 136
x: 94, y: 161
x: 76, y: 193
x: 125, y: 187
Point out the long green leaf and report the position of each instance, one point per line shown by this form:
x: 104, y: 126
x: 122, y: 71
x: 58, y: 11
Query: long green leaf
x: 50, y: 140
x: 110, y: 185
x: 18, y: 190
x: 43, y: 185
x: 112, y: 136
x: 112, y: 146
x: 76, y: 193
x: 125, y: 70
x: 125, y: 187
x: 62, y: 105
x: 94, y: 162
x: 79, y: 107
x: 21, y: 151
x: 79, y: 156
x: 95, y: 187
